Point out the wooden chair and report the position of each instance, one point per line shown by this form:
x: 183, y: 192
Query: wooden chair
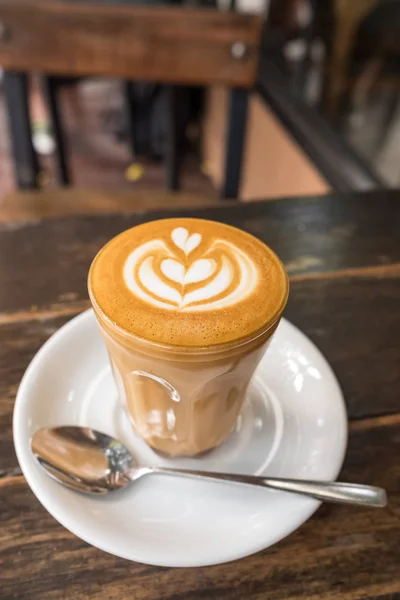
x: 171, y: 45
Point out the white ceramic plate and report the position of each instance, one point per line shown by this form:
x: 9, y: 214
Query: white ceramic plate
x: 293, y: 425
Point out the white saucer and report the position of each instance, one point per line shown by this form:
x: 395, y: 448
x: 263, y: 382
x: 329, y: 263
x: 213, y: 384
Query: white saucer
x: 293, y: 425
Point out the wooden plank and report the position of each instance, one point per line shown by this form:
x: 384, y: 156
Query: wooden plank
x: 18, y: 344
x: 166, y: 44
x: 340, y: 553
x: 356, y: 323
x: 56, y: 203
x: 312, y: 235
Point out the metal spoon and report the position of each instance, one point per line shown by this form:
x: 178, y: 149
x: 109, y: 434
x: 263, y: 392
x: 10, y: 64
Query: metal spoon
x: 92, y: 462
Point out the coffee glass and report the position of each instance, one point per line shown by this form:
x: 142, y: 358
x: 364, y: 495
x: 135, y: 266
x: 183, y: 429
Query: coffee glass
x: 183, y: 355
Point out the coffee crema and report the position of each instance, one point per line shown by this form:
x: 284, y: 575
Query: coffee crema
x: 188, y: 283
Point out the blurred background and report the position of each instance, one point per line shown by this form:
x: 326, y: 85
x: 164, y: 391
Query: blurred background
x: 303, y: 99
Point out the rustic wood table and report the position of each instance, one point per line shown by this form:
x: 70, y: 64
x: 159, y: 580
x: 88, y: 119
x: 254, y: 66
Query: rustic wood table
x: 343, y: 256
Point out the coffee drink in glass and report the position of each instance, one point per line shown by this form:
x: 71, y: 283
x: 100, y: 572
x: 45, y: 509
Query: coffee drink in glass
x: 187, y: 308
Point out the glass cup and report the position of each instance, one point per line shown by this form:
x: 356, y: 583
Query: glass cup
x: 183, y: 401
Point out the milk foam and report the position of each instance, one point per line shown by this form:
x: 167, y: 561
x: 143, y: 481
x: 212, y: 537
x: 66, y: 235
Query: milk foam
x: 165, y: 275
x: 188, y: 283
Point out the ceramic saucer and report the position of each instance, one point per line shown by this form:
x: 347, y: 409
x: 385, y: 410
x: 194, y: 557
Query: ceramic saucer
x: 293, y: 425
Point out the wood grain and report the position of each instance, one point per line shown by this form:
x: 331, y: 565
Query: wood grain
x: 341, y: 552
x: 356, y: 323
x: 311, y: 235
x: 31, y: 205
x: 18, y: 344
x: 166, y: 44
x: 343, y: 255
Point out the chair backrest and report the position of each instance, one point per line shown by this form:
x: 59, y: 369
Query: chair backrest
x: 181, y: 45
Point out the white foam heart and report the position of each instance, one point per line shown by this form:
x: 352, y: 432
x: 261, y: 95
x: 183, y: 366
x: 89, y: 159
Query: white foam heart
x: 173, y: 269
x: 192, y: 243
x: 201, y: 269
x: 180, y: 237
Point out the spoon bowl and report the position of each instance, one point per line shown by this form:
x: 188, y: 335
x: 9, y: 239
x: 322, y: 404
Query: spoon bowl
x: 84, y: 459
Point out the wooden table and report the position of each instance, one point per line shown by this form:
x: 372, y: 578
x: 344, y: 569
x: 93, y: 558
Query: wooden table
x: 343, y: 256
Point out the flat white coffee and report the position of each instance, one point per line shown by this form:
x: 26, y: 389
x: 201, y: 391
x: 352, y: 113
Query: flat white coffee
x: 188, y: 282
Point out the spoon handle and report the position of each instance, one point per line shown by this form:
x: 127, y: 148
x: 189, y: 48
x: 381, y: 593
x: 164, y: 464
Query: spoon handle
x: 329, y: 491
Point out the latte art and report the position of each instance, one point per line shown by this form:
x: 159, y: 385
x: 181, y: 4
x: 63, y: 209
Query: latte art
x: 189, y: 283
x: 185, y: 273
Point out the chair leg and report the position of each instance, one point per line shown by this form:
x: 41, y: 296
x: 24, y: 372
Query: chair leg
x: 172, y: 138
x: 129, y: 110
x: 237, y: 117
x: 25, y: 158
x: 50, y: 88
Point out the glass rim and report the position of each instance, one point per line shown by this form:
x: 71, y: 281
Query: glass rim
x: 211, y: 349
x: 192, y: 350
